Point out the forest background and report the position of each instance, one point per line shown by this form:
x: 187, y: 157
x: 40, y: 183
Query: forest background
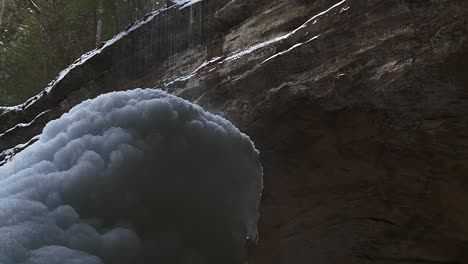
x: 39, y: 38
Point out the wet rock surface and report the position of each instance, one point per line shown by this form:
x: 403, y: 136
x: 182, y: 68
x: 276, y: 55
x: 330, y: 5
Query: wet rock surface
x: 359, y: 107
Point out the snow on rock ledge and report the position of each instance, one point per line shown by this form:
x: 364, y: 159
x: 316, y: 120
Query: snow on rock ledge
x: 127, y: 177
x: 185, y: 3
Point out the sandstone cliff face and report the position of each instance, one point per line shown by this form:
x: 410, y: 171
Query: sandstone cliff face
x: 359, y: 107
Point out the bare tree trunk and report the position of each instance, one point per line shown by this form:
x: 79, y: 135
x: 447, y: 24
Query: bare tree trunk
x: 1, y: 11
x: 99, y: 13
x: 44, y: 39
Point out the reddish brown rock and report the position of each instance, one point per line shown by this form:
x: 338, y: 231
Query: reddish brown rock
x: 361, y: 115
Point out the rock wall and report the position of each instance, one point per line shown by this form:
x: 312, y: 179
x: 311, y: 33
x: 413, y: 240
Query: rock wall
x: 359, y: 107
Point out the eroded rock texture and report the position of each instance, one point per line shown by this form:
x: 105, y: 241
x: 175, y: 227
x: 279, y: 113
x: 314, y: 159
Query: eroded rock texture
x: 359, y: 107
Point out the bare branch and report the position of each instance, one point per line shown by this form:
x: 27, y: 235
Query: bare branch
x: 34, y: 6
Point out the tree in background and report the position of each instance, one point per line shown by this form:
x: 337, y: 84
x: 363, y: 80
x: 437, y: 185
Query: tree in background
x: 38, y: 38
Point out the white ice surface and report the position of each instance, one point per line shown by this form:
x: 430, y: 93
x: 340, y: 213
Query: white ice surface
x: 131, y: 177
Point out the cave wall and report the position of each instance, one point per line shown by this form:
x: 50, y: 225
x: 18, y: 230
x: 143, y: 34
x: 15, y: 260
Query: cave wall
x: 359, y: 109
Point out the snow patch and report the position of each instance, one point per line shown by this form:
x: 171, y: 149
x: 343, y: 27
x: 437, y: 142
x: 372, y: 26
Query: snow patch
x: 185, y: 3
x: 290, y: 49
x: 23, y: 124
x: 194, y: 72
x: 8, y: 154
